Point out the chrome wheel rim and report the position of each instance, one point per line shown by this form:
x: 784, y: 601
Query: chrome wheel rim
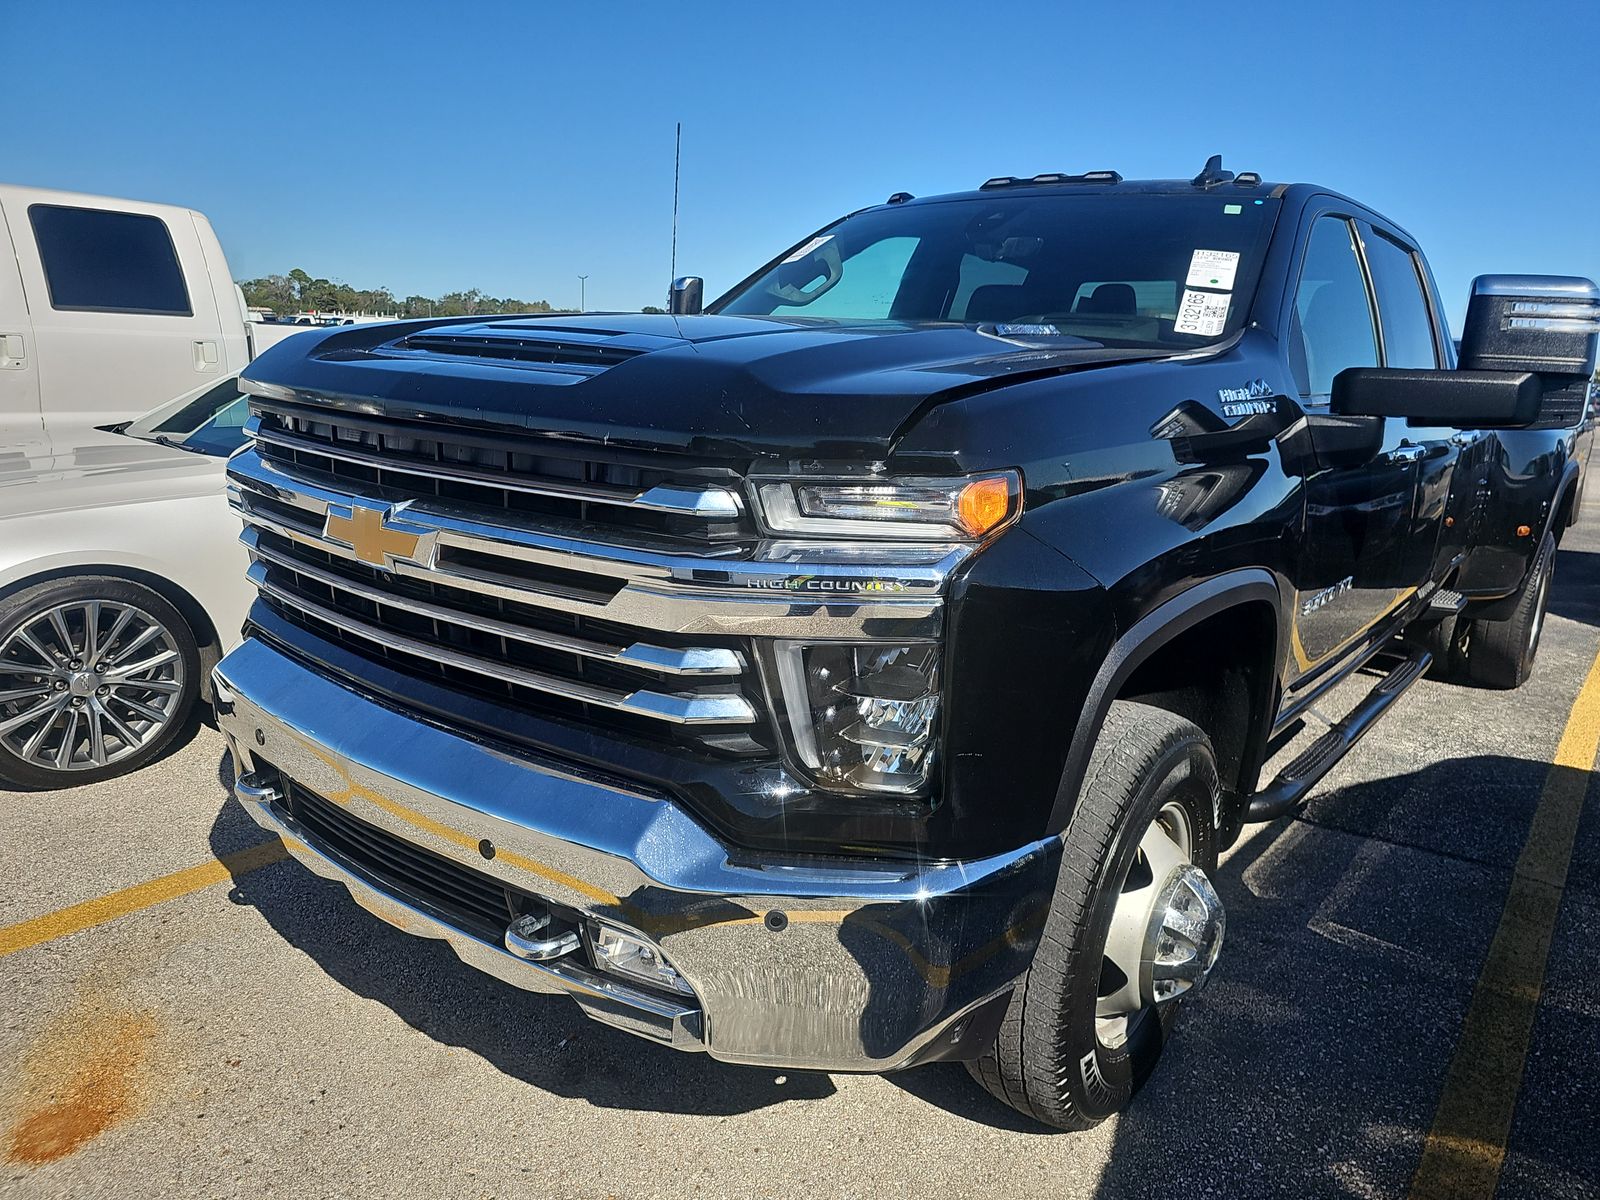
x: 86, y: 684
x: 1166, y: 929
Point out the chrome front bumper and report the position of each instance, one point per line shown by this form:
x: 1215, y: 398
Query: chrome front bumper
x: 833, y: 966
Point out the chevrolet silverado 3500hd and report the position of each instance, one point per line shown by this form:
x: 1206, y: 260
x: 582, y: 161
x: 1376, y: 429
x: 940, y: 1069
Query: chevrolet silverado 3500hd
x: 867, y: 670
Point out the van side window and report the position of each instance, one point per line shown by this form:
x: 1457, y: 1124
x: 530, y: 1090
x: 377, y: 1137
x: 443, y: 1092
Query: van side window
x: 1331, y: 325
x: 96, y: 260
x: 1402, y: 308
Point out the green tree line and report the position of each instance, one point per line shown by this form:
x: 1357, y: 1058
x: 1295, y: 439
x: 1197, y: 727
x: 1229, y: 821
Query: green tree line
x: 299, y: 292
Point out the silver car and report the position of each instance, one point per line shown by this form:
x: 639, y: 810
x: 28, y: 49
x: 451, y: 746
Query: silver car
x: 121, y: 582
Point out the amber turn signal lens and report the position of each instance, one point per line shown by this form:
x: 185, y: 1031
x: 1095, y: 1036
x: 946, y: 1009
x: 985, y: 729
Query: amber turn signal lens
x: 983, y: 504
x: 1524, y: 530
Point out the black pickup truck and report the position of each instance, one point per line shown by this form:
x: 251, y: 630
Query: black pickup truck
x: 867, y: 670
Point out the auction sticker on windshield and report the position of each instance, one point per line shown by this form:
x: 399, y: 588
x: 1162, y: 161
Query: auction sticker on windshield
x: 1203, y: 313
x: 1213, y: 269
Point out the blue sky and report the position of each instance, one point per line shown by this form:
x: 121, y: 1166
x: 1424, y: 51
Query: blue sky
x: 428, y: 147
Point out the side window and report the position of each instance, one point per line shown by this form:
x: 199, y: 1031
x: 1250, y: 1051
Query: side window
x: 1447, y: 347
x: 101, y: 261
x: 1331, y: 326
x: 867, y: 287
x: 1402, y: 308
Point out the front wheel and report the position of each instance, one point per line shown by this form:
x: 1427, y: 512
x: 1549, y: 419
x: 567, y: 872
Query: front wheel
x: 97, y: 676
x: 1134, y: 926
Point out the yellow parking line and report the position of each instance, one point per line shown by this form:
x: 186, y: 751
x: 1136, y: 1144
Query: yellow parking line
x: 140, y: 896
x: 1465, y: 1148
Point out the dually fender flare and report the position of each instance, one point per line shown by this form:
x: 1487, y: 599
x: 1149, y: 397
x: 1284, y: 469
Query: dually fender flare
x: 1147, y: 635
x: 1498, y: 608
x: 1571, y: 478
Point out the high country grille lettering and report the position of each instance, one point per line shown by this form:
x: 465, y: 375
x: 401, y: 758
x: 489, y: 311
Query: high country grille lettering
x: 809, y: 583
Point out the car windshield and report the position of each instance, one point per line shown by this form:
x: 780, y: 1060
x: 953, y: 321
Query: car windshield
x: 209, y: 423
x: 1120, y: 270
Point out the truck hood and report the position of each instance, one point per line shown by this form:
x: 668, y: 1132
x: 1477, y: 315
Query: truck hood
x: 718, y: 387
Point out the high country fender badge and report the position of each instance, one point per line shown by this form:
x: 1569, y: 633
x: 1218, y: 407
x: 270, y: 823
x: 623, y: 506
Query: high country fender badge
x: 378, y: 536
x: 1253, y: 398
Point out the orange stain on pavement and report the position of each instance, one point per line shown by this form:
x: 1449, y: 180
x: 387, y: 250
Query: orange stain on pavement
x: 85, y: 1075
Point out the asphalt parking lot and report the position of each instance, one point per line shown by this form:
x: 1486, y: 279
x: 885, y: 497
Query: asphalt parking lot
x: 185, y: 1013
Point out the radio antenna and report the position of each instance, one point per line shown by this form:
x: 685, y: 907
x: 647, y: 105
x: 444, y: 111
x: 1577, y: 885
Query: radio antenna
x: 677, y: 159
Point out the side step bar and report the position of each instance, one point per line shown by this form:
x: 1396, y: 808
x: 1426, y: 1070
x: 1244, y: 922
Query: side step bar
x: 1288, y: 791
x: 1446, y: 603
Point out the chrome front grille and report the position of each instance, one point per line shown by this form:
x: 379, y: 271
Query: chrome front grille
x: 559, y: 618
x: 503, y: 475
x: 553, y: 664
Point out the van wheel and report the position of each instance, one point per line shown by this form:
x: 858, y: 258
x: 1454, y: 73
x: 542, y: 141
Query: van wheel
x: 1133, y: 927
x: 1500, y: 654
x: 97, y: 676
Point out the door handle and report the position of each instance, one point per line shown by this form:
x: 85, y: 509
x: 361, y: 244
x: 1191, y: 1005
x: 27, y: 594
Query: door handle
x: 205, y: 356
x: 13, y: 352
x: 1405, y: 454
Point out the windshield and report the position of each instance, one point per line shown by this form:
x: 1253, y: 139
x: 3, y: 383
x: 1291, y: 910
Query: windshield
x: 210, y: 423
x: 1124, y: 270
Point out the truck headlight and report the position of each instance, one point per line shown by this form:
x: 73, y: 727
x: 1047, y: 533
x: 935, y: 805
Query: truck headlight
x: 862, y: 717
x: 963, y: 508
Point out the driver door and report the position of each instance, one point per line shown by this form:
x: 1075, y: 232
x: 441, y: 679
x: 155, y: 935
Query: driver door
x: 1354, y: 567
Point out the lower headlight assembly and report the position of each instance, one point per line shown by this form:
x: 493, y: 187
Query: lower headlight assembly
x: 862, y: 717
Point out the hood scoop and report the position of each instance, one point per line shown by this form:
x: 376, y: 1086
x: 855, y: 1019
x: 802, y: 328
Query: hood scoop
x: 596, y: 350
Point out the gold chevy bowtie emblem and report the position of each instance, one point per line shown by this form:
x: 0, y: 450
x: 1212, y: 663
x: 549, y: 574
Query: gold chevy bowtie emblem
x: 368, y: 533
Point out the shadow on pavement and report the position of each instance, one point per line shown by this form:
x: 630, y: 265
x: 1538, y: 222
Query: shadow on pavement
x: 1577, y: 594
x: 1312, y: 1064
x: 542, y: 1040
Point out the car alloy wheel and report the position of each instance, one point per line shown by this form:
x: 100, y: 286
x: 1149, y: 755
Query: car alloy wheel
x: 87, y: 683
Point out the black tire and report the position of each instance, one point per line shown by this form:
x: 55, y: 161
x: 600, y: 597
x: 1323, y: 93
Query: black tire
x: 1500, y: 654
x: 149, y: 738
x: 1447, y: 641
x: 1048, y: 1060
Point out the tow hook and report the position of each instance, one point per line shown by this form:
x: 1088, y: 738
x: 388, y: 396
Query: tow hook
x: 523, y: 940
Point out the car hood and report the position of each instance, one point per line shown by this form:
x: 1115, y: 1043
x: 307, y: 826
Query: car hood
x: 714, y: 386
x: 78, y: 468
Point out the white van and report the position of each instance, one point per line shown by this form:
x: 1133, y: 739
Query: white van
x: 109, y: 308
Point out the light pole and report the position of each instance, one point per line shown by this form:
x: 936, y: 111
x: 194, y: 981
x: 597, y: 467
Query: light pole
x: 583, y: 293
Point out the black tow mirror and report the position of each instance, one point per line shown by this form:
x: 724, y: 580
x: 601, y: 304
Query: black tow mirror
x: 1458, y: 399
x: 686, y: 296
x: 1548, y: 324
